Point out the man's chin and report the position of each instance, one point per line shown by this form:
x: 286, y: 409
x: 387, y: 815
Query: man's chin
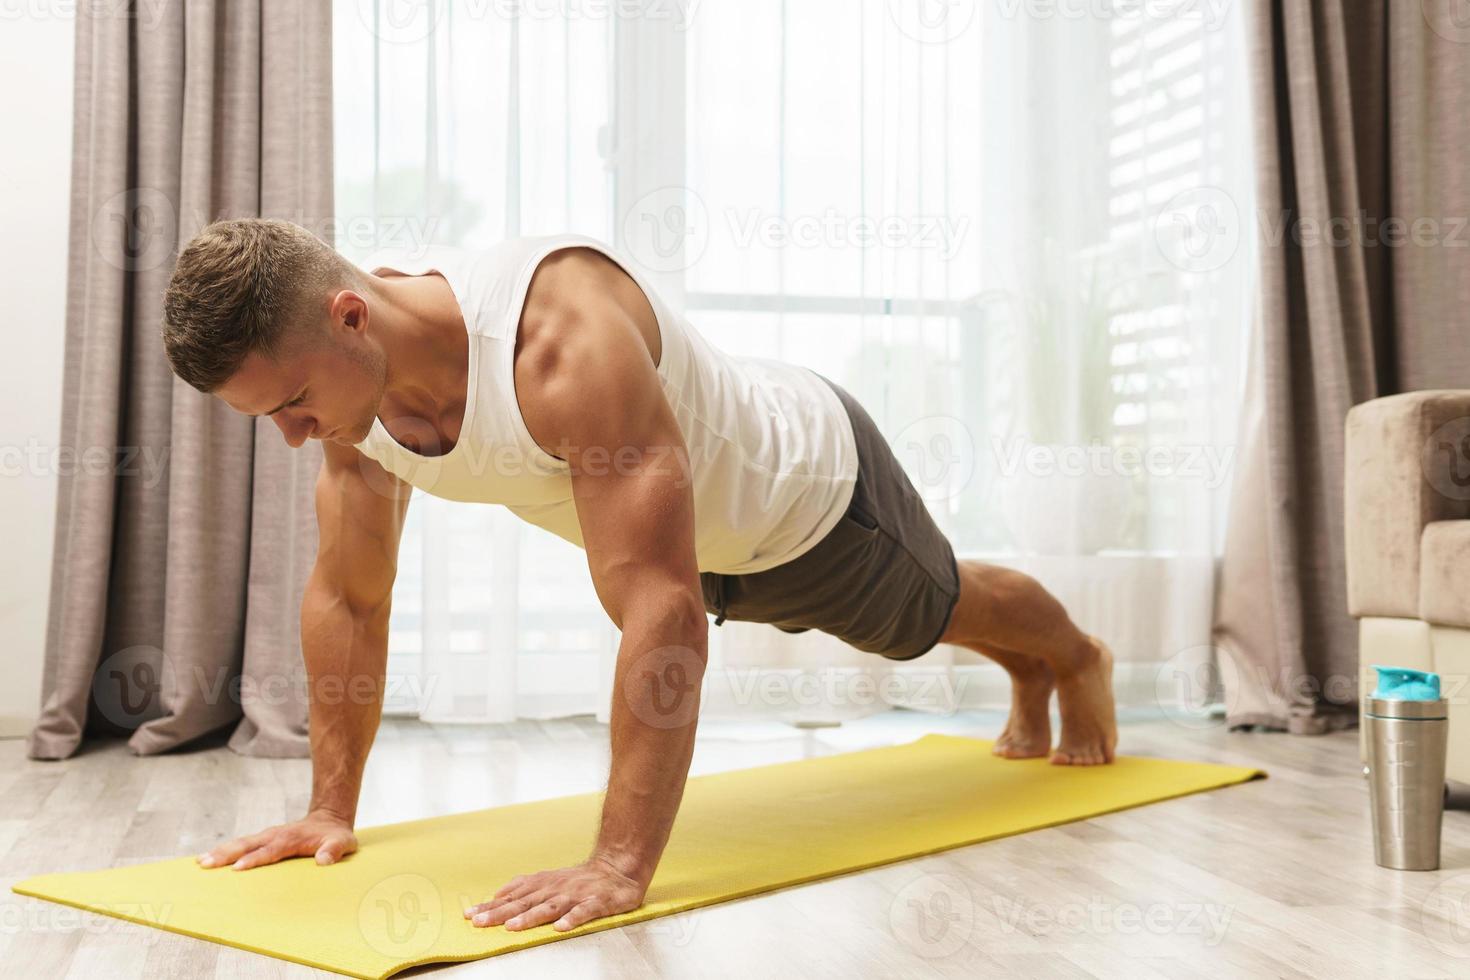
x: 351, y: 435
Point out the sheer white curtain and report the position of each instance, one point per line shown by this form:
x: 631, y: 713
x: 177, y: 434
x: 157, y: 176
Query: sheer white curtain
x: 1016, y: 231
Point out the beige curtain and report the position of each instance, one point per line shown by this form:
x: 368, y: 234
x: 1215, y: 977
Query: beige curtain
x: 184, y: 531
x: 1362, y: 119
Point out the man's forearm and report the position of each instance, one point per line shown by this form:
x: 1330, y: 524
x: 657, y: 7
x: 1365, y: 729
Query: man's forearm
x: 655, y: 709
x: 346, y: 659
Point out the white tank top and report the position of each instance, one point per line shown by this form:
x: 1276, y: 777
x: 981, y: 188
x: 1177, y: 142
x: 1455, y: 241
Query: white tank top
x: 770, y: 444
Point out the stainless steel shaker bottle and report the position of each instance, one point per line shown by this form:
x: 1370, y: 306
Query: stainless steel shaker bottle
x: 1407, y: 734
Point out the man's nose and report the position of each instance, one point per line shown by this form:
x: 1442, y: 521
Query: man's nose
x: 296, y: 430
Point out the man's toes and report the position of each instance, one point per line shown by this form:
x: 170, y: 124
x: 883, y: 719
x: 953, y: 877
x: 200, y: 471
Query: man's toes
x: 1009, y: 750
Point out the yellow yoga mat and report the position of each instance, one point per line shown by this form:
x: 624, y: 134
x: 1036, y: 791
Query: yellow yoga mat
x: 398, y: 902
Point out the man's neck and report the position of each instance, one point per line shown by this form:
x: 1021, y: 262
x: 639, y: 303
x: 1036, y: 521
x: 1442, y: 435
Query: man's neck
x: 422, y: 332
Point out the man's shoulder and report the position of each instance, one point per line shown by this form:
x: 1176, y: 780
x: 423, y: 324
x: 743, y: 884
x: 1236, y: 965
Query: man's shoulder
x: 579, y: 359
x: 569, y: 287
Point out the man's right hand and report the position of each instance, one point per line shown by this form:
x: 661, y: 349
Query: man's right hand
x: 328, y: 837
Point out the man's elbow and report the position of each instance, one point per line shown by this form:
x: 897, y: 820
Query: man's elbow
x: 675, y: 616
x: 686, y: 609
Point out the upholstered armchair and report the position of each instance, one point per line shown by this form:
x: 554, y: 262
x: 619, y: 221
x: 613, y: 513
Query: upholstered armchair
x: 1408, y: 544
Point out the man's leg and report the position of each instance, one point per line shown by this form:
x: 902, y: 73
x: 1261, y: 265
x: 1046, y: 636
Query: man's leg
x: 1010, y: 618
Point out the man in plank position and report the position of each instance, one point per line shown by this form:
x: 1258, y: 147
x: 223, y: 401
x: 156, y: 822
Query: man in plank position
x: 546, y: 375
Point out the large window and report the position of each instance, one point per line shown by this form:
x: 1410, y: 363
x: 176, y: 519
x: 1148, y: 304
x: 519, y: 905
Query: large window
x: 1018, y: 232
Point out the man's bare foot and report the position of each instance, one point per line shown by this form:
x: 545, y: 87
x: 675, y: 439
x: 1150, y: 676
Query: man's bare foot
x: 1085, y: 697
x: 1027, y: 734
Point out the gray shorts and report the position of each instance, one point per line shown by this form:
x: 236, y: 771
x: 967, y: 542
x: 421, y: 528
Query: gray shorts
x: 883, y: 579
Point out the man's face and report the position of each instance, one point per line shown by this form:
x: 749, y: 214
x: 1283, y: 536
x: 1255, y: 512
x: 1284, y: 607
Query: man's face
x: 328, y: 387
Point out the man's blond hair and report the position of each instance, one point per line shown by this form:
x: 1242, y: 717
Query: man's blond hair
x: 243, y: 285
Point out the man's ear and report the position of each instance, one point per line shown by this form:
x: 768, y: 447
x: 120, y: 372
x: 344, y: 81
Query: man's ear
x: 349, y: 311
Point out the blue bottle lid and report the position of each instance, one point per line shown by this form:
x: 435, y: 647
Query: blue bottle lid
x: 1406, y: 684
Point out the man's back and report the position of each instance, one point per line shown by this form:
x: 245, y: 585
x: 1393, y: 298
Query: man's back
x: 770, y: 446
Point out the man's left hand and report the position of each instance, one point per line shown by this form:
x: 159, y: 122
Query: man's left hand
x: 568, y: 897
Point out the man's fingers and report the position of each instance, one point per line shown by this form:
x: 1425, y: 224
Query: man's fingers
x: 329, y: 841
x: 518, y: 888
x: 489, y: 906
x: 268, y: 853
x: 507, y: 908
x: 230, y: 852
x: 501, y: 910
x: 541, y: 913
x: 333, y: 848
x: 249, y: 860
x: 568, y: 898
x: 522, y: 890
x: 586, y: 911
x: 518, y: 884
x: 511, y: 884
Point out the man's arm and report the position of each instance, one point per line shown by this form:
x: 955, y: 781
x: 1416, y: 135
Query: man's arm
x: 344, y: 620
x: 588, y: 390
x: 344, y: 642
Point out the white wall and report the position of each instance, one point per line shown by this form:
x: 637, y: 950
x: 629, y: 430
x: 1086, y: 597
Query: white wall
x: 35, y: 165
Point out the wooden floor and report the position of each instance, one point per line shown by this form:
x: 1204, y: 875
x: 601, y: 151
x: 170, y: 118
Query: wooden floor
x: 1273, y: 878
